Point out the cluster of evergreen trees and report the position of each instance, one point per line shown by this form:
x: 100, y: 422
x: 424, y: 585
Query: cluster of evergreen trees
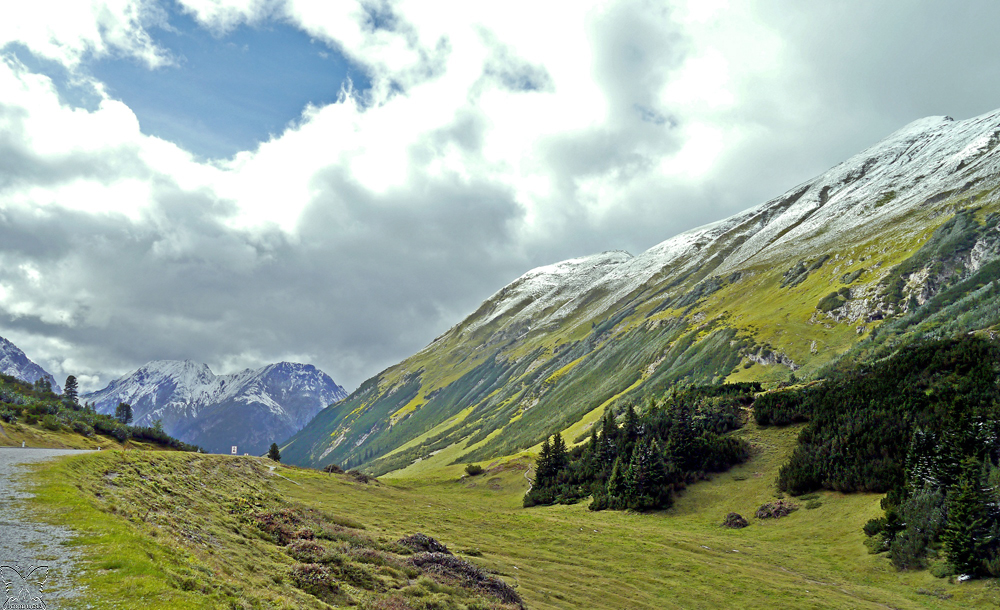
x: 923, y: 427
x: 643, y: 462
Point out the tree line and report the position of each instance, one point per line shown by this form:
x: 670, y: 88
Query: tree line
x: 923, y: 427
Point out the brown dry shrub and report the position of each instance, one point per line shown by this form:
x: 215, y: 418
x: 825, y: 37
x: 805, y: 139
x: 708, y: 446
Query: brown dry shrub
x: 467, y: 574
x: 422, y: 543
x: 775, y: 510
x: 735, y: 521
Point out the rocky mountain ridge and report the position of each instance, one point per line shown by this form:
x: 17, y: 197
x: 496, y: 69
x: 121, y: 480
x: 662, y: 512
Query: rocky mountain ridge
x: 249, y: 409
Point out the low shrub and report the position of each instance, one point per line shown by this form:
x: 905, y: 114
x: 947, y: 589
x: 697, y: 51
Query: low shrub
x: 50, y: 422
x: 775, y: 510
x: 422, y: 543
x: 735, y: 521
x: 360, y: 477
x: 451, y: 567
x: 83, y: 428
x: 306, y: 551
x: 315, y: 579
x: 333, y: 469
x: 473, y: 469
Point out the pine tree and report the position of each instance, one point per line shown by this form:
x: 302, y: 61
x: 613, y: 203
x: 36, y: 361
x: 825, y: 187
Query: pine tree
x: 559, y: 458
x: 681, y: 440
x: 965, y: 537
x: 543, y: 465
x: 123, y: 413
x: 591, y: 455
x: 273, y: 453
x: 70, y: 390
x: 630, y: 431
x: 617, y: 490
x: 609, y: 443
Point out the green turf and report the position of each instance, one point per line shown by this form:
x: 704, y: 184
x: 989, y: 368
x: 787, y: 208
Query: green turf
x: 558, y: 557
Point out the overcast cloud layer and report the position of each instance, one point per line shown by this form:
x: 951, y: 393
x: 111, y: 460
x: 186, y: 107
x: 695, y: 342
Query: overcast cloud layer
x: 495, y: 137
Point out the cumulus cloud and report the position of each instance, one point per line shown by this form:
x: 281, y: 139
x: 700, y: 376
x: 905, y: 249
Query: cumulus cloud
x: 69, y: 32
x: 495, y: 137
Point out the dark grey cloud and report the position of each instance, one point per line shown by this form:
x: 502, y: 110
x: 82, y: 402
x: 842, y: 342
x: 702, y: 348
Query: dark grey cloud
x: 368, y: 278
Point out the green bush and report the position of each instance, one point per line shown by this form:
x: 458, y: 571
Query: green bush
x: 83, y: 428
x: 49, y: 422
x: 473, y: 469
x: 924, y: 515
x: 8, y: 415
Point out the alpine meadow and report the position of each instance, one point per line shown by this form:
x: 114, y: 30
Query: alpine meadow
x: 209, y: 211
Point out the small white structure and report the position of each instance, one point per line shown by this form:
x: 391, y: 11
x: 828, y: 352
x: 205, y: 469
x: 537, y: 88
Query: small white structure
x: 233, y: 450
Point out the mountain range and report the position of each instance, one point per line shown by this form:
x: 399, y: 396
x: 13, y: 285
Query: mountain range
x: 13, y: 362
x: 899, y: 241
x: 250, y: 409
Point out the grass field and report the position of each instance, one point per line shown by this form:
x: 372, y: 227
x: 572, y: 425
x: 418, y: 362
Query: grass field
x: 185, y: 551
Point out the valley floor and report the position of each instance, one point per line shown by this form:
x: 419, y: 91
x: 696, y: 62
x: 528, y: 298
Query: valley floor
x: 569, y: 557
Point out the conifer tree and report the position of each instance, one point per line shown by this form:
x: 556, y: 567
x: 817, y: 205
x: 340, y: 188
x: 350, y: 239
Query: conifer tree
x: 559, y: 459
x: 609, y: 442
x: 123, y: 413
x: 543, y: 465
x: 70, y: 390
x: 273, y: 453
x: 630, y: 431
x: 966, y: 536
x: 617, y: 490
x: 681, y: 439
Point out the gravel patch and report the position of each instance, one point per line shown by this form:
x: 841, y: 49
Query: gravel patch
x: 29, y: 551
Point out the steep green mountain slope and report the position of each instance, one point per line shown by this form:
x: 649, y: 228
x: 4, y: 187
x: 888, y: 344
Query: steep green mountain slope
x: 898, y: 240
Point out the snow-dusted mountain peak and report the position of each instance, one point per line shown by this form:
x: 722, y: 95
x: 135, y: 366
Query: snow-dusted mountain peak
x: 251, y: 408
x: 922, y: 163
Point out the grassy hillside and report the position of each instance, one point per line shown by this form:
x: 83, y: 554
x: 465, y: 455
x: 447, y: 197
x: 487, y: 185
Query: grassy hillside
x: 35, y: 417
x: 499, y: 390
x: 187, y: 549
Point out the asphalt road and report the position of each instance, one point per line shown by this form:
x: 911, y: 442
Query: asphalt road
x: 35, y: 563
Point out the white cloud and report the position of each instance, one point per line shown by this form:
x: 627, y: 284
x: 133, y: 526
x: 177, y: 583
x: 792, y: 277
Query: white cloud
x: 67, y: 32
x: 495, y: 136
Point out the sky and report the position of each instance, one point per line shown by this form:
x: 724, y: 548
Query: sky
x: 240, y: 182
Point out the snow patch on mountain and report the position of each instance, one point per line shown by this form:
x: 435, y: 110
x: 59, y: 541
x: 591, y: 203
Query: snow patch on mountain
x: 15, y: 363
x: 922, y: 164
x: 251, y: 408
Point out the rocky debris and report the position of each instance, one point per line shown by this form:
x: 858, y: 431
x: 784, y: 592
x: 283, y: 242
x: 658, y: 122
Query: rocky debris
x: 767, y: 357
x: 775, y: 510
x: 735, y: 521
x: 470, y: 575
x: 422, y: 543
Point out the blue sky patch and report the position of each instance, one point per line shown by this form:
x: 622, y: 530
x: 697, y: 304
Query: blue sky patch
x: 227, y: 93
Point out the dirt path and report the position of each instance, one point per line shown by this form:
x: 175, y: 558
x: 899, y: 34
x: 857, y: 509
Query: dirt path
x: 31, y: 554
